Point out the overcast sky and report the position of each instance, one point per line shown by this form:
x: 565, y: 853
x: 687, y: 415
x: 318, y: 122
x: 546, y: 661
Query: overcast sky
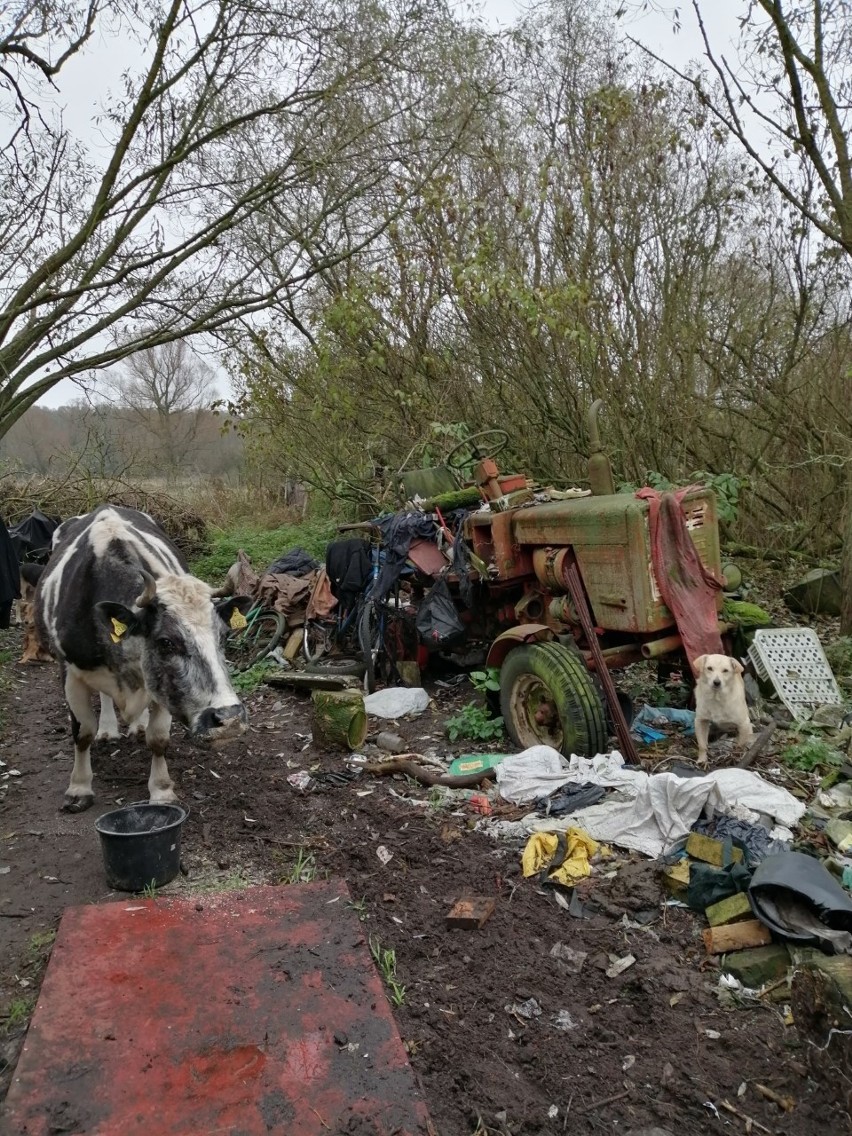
x: 87, y: 78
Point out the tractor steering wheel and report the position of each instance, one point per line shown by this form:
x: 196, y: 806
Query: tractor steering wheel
x: 471, y: 452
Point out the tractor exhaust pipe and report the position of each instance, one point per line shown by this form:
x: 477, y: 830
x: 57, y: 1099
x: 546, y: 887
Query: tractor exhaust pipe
x: 600, y: 471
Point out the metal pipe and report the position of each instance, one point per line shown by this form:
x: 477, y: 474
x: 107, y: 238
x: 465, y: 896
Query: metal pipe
x: 658, y: 647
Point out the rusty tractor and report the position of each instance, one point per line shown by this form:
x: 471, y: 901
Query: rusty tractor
x: 552, y: 689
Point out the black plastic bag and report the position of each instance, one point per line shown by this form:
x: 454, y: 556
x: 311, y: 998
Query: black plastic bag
x: 438, y: 623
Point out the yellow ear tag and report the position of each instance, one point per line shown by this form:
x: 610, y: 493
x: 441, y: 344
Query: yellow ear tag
x: 118, y: 630
x: 237, y: 621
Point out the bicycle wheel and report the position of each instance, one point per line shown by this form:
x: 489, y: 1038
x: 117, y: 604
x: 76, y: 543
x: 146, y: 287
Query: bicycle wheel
x: 317, y: 639
x: 263, y: 634
x: 370, y: 626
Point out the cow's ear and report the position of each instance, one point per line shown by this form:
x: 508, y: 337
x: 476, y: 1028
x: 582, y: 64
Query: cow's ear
x: 120, y: 620
x: 232, y: 610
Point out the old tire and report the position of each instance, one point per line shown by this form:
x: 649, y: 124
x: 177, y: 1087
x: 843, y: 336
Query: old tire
x: 370, y: 642
x: 548, y: 697
x: 262, y: 635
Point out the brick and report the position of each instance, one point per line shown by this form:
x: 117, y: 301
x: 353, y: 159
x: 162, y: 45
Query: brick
x: 710, y: 850
x: 471, y: 913
x: 736, y: 936
x: 729, y: 910
x: 756, y: 968
x: 676, y: 879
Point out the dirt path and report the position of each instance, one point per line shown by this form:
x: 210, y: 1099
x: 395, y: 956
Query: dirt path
x: 653, y: 1046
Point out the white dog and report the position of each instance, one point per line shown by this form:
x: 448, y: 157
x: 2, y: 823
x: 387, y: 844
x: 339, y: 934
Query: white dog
x: 719, y: 700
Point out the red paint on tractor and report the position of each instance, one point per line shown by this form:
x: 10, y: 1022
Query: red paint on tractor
x: 250, y: 1012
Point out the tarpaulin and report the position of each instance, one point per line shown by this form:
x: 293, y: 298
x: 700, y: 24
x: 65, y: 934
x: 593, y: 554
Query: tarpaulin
x: 688, y: 589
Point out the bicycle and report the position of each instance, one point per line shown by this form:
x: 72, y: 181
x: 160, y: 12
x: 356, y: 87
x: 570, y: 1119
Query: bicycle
x: 359, y: 629
x: 255, y: 638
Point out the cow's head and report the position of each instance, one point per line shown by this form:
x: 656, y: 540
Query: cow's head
x: 176, y: 633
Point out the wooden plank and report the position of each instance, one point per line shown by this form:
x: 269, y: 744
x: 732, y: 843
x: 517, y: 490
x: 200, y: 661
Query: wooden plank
x: 736, y: 936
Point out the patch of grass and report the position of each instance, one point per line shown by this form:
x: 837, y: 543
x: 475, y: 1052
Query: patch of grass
x: 811, y: 753
x: 386, y: 961
x: 247, y: 682
x: 360, y: 906
x: 302, y: 870
x: 6, y: 655
x: 262, y: 546
x: 39, y: 945
x: 150, y: 890
x: 19, y: 1011
x: 839, y: 655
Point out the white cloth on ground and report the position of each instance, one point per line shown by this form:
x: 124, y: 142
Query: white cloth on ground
x: 649, y: 813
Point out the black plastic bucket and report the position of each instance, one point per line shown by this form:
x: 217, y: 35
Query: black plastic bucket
x: 141, y: 845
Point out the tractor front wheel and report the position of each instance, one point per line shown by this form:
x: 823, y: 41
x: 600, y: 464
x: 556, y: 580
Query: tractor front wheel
x: 548, y: 697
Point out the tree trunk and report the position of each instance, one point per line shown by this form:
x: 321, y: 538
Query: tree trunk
x: 846, y: 561
x: 339, y: 718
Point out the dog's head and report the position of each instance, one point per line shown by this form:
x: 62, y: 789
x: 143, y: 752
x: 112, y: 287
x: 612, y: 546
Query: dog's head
x: 718, y: 672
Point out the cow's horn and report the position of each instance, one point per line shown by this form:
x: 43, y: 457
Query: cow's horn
x: 150, y: 589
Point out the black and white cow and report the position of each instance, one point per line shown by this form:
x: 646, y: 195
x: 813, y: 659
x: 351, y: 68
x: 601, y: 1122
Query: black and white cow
x: 125, y: 618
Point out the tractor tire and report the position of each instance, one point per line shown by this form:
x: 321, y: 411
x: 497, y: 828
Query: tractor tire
x: 548, y: 697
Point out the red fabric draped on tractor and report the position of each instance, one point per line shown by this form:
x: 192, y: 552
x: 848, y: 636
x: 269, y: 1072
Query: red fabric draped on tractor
x: 687, y: 587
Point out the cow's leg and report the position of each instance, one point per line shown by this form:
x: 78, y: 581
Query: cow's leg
x: 79, y: 794
x: 160, y: 788
x: 137, y: 726
x: 108, y: 722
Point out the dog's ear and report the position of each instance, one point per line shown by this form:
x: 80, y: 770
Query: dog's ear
x: 737, y: 665
x: 698, y: 664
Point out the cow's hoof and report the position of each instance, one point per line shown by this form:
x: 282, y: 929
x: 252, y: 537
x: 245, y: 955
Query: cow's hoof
x: 107, y: 736
x: 164, y: 797
x: 78, y: 804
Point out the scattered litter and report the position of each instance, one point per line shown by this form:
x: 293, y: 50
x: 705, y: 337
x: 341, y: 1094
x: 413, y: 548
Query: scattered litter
x: 563, y: 1021
x: 563, y: 857
x: 628, y: 1062
x: 384, y: 854
x: 529, y: 1009
x: 5, y: 871
x: 714, y: 1035
x: 619, y: 965
x: 650, y: 812
x: 569, y: 960
x: 301, y: 781
x: 396, y: 702
x: 552, y: 1112
x: 213, y: 773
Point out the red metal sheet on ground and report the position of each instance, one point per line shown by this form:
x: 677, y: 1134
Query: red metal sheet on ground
x: 249, y: 1012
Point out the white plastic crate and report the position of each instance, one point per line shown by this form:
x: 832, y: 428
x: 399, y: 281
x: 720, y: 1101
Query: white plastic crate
x: 792, y: 659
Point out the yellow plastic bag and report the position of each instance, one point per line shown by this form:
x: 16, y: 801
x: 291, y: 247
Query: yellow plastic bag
x: 542, y: 847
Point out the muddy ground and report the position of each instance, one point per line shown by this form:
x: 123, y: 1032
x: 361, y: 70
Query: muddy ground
x: 653, y: 1046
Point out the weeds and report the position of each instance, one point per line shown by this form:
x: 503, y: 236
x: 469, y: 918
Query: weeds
x: 247, y: 682
x: 302, y: 870
x: 39, y: 945
x: 839, y: 655
x: 150, y: 890
x: 386, y: 961
x: 474, y: 722
x: 811, y: 753
x: 19, y: 1011
x: 359, y: 906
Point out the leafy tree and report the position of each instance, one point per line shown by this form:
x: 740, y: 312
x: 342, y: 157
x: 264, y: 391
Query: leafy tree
x: 225, y: 177
x: 787, y: 99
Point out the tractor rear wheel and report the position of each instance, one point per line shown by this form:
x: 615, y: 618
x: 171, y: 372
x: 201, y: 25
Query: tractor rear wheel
x: 548, y: 697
